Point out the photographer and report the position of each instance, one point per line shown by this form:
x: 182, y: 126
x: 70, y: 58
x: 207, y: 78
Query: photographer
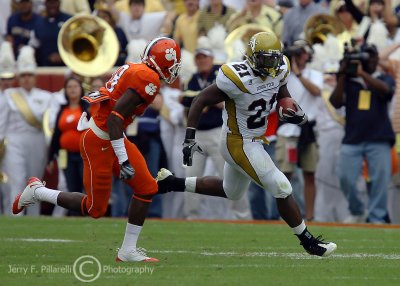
x: 365, y: 93
x: 296, y: 146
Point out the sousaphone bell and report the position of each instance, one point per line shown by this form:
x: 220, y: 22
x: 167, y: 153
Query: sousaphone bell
x: 88, y: 45
x: 317, y: 28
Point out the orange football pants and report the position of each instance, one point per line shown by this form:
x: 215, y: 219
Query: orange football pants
x: 100, y: 164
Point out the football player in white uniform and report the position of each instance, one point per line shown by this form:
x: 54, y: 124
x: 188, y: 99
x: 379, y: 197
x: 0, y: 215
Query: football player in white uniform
x: 249, y: 90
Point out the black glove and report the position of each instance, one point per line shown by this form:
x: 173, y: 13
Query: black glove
x: 127, y: 171
x: 189, y: 147
x: 296, y: 117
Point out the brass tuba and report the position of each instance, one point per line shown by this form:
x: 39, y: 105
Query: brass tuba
x: 317, y: 28
x: 242, y: 35
x: 88, y: 45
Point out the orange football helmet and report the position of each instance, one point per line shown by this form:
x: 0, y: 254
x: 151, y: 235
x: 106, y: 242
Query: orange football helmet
x: 164, y: 55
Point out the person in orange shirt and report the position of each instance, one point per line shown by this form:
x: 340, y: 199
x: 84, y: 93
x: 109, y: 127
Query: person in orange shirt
x: 66, y: 137
x: 105, y: 150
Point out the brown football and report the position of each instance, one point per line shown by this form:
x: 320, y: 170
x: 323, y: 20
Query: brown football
x: 284, y: 104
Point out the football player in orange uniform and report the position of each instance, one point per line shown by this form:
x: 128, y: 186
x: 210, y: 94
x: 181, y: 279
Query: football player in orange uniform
x: 106, y: 151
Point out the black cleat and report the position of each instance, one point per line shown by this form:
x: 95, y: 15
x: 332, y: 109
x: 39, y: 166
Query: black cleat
x: 317, y: 246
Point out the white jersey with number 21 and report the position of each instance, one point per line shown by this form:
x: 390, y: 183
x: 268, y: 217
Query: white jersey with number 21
x: 245, y: 118
x: 251, y: 97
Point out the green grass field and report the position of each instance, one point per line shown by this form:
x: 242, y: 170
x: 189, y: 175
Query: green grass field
x: 36, y: 251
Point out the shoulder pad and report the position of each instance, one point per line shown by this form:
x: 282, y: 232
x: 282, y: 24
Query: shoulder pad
x: 233, y: 77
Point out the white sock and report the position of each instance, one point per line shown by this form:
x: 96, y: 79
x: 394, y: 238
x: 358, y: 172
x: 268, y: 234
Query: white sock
x: 131, y: 236
x: 190, y: 184
x: 47, y: 195
x: 300, y: 228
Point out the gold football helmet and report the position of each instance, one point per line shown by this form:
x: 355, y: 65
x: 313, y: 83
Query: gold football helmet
x: 264, y: 54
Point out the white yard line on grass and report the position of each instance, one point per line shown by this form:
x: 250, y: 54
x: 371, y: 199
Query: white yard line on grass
x: 43, y: 240
x: 283, y: 255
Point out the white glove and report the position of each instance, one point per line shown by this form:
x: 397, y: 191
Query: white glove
x: 83, y: 123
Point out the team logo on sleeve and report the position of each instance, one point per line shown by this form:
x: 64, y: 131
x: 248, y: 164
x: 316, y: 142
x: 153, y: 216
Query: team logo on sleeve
x: 150, y: 89
x: 170, y: 54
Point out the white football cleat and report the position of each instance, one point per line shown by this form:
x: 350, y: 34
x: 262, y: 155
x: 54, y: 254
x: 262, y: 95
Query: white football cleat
x: 317, y: 246
x: 27, y: 197
x: 330, y: 248
x: 137, y: 255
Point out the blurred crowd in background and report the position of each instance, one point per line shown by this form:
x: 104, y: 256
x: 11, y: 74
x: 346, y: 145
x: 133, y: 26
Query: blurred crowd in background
x: 339, y: 173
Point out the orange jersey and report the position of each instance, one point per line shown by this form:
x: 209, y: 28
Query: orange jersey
x: 138, y: 77
x: 70, y: 136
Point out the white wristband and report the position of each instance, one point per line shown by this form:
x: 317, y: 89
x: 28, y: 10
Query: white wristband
x: 119, y: 149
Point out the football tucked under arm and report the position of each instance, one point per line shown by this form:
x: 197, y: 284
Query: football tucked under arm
x: 289, y: 111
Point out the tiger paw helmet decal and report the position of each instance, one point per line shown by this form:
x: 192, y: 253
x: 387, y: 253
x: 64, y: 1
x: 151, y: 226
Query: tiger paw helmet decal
x: 170, y: 54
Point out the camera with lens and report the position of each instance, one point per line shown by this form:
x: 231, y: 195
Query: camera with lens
x: 292, y: 51
x: 353, y: 58
x: 297, y: 48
